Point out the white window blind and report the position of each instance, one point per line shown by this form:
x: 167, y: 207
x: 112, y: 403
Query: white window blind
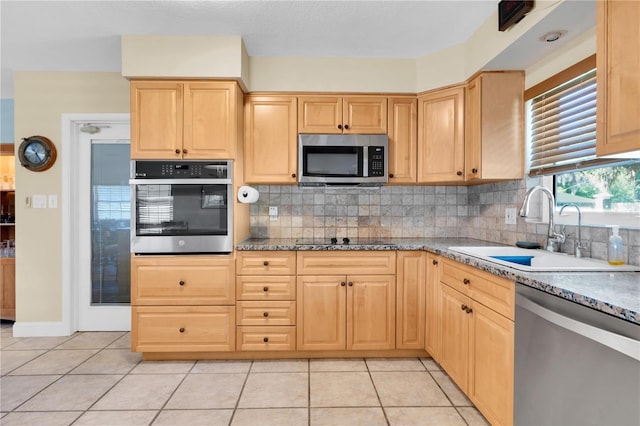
x: 563, y: 127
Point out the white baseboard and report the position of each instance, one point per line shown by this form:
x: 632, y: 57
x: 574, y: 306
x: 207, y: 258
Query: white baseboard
x: 40, y: 329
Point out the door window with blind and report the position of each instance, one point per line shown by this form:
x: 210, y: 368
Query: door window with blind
x: 562, y: 130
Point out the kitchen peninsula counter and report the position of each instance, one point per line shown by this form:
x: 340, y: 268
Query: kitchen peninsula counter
x: 614, y: 293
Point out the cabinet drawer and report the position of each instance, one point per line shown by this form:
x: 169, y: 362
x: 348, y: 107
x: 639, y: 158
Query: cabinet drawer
x: 266, y: 338
x: 494, y: 292
x: 186, y: 280
x: 266, y: 262
x: 250, y: 287
x: 266, y: 313
x: 347, y: 262
x: 182, y: 328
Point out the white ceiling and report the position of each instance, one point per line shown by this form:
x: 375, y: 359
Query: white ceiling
x: 85, y: 35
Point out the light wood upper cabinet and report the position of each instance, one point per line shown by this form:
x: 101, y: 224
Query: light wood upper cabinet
x: 333, y: 114
x: 618, y: 77
x: 441, y: 136
x: 191, y: 120
x: 410, y: 299
x: 270, y: 139
x: 494, y: 126
x: 403, y: 140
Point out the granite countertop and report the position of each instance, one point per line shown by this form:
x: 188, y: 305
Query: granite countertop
x: 615, y: 293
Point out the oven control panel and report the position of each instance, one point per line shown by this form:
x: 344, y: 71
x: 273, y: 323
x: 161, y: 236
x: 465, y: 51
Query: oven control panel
x: 152, y: 169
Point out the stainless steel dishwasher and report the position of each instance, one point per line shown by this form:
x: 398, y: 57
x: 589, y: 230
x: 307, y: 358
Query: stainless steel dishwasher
x: 573, y: 365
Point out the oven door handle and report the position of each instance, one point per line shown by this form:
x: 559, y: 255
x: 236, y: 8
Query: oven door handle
x: 179, y: 181
x: 622, y: 344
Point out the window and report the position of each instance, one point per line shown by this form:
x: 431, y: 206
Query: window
x: 562, y: 138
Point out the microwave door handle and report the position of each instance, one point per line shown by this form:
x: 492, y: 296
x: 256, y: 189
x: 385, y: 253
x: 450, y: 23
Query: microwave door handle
x: 365, y: 161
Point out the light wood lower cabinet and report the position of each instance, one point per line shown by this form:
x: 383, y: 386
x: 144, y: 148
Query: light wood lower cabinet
x: 353, y: 308
x: 477, y: 337
x: 410, y: 299
x: 433, y: 331
x: 183, y: 303
x: 182, y: 328
x: 8, y: 288
x: 266, y: 300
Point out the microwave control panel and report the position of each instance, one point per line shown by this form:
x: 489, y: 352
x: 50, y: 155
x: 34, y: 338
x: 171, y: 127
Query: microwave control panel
x: 376, y: 161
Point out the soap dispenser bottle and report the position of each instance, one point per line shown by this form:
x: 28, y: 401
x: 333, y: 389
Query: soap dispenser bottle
x: 615, y: 247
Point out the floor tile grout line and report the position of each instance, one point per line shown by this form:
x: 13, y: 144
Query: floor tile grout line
x: 246, y: 379
x: 375, y: 389
x: 172, y: 393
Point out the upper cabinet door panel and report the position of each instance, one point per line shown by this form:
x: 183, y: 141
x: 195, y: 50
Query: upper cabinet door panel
x: 209, y: 120
x: 156, y: 120
x: 618, y: 77
x: 441, y: 136
x: 403, y: 144
x: 320, y: 114
x: 270, y: 139
x: 365, y: 115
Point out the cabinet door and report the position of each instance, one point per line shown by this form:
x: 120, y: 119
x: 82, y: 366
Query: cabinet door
x: 321, y: 323
x: 319, y: 114
x: 454, y: 355
x: 618, y: 64
x: 491, y: 375
x: 156, y: 120
x: 8, y: 288
x: 371, y: 312
x: 410, y: 283
x: 473, y: 130
x: 433, y: 328
x: 403, y: 140
x: 441, y: 136
x: 270, y: 139
x: 210, y: 120
x: 367, y: 114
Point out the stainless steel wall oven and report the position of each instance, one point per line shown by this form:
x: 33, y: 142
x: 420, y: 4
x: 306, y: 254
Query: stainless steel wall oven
x: 181, y: 206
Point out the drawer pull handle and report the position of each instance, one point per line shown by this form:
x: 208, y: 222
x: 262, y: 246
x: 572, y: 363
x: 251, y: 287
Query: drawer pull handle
x: 181, y: 329
x: 463, y: 308
x: 435, y: 262
x: 350, y: 284
x: 266, y: 339
x: 181, y: 283
x: 265, y: 263
x: 265, y: 288
x: 343, y: 283
x: 466, y: 281
x: 266, y: 314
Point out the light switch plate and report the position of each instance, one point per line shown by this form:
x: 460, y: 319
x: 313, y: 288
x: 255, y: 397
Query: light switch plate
x: 53, y: 201
x: 39, y: 201
x: 273, y: 213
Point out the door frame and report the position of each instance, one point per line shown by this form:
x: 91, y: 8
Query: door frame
x: 69, y: 204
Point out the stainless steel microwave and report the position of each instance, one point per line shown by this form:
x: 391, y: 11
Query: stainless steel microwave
x: 343, y: 159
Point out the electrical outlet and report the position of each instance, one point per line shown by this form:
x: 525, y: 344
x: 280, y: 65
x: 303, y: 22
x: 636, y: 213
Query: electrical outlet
x: 510, y: 216
x: 273, y: 213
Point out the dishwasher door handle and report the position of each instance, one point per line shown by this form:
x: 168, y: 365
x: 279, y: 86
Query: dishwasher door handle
x: 622, y: 344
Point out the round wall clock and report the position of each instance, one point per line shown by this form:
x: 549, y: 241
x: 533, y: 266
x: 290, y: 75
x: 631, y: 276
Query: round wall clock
x: 37, y: 153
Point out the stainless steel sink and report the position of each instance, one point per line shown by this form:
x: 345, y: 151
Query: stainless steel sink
x: 539, y: 260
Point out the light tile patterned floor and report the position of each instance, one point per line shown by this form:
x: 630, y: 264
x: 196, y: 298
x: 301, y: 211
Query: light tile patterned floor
x: 94, y: 379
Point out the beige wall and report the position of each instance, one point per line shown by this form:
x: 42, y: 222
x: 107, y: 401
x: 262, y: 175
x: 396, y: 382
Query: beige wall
x: 40, y: 100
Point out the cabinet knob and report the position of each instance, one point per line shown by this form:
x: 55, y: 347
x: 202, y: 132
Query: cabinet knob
x: 466, y: 281
x: 266, y: 339
x: 265, y: 314
x: 474, y: 170
x: 177, y: 151
x: 182, y: 283
x: 463, y: 307
x: 340, y: 126
x: 346, y: 126
x: 293, y: 175
x: 184, y: 151
x: 350, y: 284
x: 459, y: 173
x: 343, y: 283
x: 265, y: 263
x: 390, y: 175
x: 435, y: 262
x: 468, y: 310
x: 265, y: 288
x: 181, y: 329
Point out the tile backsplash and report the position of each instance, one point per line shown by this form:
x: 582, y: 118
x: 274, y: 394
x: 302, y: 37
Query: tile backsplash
x: 415, y: 212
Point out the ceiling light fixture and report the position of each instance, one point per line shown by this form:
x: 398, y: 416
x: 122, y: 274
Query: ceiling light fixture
x: 552, y: 36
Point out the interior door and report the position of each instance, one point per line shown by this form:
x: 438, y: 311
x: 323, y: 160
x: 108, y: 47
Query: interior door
x: 103, y: 293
